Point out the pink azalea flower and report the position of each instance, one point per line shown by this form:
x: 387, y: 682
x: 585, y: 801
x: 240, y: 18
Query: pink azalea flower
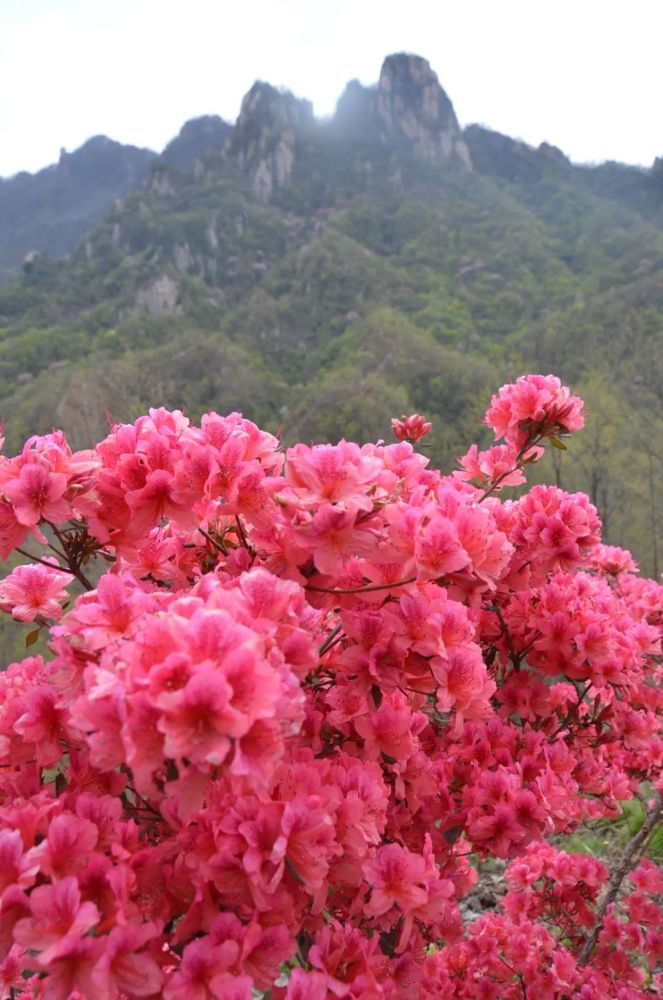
x: 17, y: 867
x: 12, y: 531
x: 412, y: 428
x: 397, y: 877
x: 123, y: 968
x: 199, y: 721
x: 303, y: 985
x: 204, y: 973
x: 11, y: 971
x: 57, y: 919
x: 38, y: 493
x: 34, y: 591
x: 438, y: 549
x: 389, y: 729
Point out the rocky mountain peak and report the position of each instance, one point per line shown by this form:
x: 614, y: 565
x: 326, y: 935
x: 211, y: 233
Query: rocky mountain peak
x: 264, y: 141
x: 414, y: 108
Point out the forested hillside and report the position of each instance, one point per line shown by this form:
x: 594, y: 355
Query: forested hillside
x: 322, y: 276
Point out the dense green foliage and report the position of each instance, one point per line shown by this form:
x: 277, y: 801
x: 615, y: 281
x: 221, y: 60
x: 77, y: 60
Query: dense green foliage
x: 356, y: 295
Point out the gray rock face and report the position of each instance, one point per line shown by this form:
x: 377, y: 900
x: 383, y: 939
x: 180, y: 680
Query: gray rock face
x: 413, y: 108
x: 407, y: 113
x: 264, y: 141
x: 159, y: 297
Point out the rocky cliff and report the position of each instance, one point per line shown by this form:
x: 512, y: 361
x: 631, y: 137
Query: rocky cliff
x: 271, y: 127
x: 414, y: 110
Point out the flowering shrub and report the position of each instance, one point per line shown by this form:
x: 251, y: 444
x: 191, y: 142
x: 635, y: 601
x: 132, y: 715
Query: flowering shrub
x: 288, y: 695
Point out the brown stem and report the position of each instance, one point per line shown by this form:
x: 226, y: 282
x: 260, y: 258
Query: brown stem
x: 574, y: 714
x: 213, y: 541
x: 359, y: 590
x: 146, y: 805
x: 515, y: 656
x: 71, y: 562
x: 36, y: 559
x: 629, y: 857
x: 329, y: 641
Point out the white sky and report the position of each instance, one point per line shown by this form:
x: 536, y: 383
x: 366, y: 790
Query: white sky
x: 585, y: 75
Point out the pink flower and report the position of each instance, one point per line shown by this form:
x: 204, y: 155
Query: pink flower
x: 157, y: 499
x: 307, y: 842
x: 199, y: 721
x: 499, y: 462
x: 411, y: 429
x: 16, y: 866
x: 37, y: 493
x: 612, y: 560
x: 397, y: 878
x: 535, y: 406
x: 42, y: 723
x: 34, y: 591
x: 331, y: 474
x: 388, y: 729
x: 11, y: 971
x: 647, y: 877
x: 304, y: 985
x: 68, y: 845
x: 123, y: 968
x: 12, y: 532
x: 70, y: 974
x: 463, y: 682
x: 204, y: 973
x: 58, y: 919
x: 497, y: 830
x: 438, y: 548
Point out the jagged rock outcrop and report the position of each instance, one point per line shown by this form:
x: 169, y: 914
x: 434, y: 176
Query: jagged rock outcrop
x: 196, y: 138
x: 160, y: 297
x: 271, y: 125
x: 414, y: 109
x: 407, y: 112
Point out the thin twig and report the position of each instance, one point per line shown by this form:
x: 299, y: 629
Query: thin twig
x: 518, y: 465
x: 515, y: 656
x: 146, y: 804
x: 217, y: 543
x: 244, y: 540
x: 73, y: 565
x: 629, y: 857
x: 36, y: 559
x: 574, y: 714
x: 329, y: 640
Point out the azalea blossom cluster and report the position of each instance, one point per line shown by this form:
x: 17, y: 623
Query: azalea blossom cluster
x: 287, y: 695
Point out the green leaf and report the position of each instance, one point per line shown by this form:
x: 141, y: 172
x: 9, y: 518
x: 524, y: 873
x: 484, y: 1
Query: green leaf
x: 31, y: 638
x: 556, y: 443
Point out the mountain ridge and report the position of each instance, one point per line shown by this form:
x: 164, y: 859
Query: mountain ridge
x: 50, y: 210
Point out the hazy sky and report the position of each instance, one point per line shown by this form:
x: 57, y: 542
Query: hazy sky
x: 585, y: 75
